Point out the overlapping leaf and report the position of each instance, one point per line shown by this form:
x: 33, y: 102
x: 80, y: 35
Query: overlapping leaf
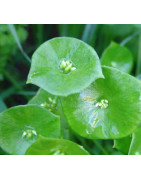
x: 20, y: 126
x: 49, y: 146
x: 108, y: 109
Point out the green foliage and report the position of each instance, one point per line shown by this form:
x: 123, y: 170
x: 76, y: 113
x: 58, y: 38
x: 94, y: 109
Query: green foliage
x: 49, y: 146
x: 7, y: 43
x: 71, y: 30
x: 80, y: 104
x: 123, y: 144
x: 46, y: 100
x: 46, y: 69
x: 131, y: 144
x: 119, y: 57
x: 2, y: 105
x: 116, y: 118
x: 21, y: 125
x: 135, y: 146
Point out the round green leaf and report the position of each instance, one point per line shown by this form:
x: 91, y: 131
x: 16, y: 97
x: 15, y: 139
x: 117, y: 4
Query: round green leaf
x: 123, y: 144
x: 46, y: 73
x: 21, y: 125
x: 46, y: 100
x: 119, y: 57
x: 108, y: 109
x: 49, y: 146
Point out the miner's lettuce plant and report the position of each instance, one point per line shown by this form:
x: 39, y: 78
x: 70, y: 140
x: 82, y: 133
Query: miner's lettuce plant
x: 77, y: 94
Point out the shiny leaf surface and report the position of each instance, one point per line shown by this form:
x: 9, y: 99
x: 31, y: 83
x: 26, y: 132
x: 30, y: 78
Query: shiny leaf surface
x: 108, y: 109
x: 20, y: 126
x: 49, y: 146
x: 50, y: 72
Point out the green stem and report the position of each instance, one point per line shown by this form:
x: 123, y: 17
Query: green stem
x: 100, y: 147
x: 12, y: 80
x: 88, y: 35
x: 39, y: 34
x: 10, y: 91
x: 85, y: 145
x: 27, y: 93
x: 129, y: 38
x: 13, y: 31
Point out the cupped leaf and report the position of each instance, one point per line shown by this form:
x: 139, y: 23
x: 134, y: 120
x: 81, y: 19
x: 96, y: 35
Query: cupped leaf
x: 46, y: 100
x: 49, y: 146
x: 123, y: 144
x: 20, y: 126
x: 119, y: 57
x: 108, y: 109
x: 64, y: 66
x: 135, y: 146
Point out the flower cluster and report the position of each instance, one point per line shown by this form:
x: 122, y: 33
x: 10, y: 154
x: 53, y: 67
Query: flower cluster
x: 66, y: 66
x: 51, y: 105
x: 29, y: 133
x: 102, y: 104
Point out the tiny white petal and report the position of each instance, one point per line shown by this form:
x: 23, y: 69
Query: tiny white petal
x: 73, y: 68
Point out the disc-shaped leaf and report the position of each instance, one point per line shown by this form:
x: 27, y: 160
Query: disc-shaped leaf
x: 119, y: 57
x: 46, y: 100
x: 50, y: 71
x: 21, y: 125
x: 108, y: 109
x: 49, y: 146
x: 123, y: 144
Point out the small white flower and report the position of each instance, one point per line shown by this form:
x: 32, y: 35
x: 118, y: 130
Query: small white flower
x: 34, y: 132
x: 102, y: 104
x: 24, y: 133
x: 67, y: 62
x: 50, y: 99
x: 73, y: 68
x: 68, y: 68
x: 63, y: 64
